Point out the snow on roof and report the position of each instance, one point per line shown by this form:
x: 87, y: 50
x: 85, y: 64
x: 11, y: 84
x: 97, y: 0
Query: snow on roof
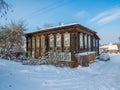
x: 52, y: 27
x: 44, y: 29
x: 109, y: 47
x: 112, y: 47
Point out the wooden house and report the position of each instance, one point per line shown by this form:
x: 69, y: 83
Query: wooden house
x: 62, y: 42
x: 118, y: 47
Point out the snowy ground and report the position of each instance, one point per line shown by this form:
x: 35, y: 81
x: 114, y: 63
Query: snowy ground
x: 98, y: 76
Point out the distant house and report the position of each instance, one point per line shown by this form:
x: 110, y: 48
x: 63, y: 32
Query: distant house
x: 111, y: 48
x: 62, y: 42
x: 118, y: 46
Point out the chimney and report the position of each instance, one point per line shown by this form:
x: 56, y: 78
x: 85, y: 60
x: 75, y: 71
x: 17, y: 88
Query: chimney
x: 61, y: 24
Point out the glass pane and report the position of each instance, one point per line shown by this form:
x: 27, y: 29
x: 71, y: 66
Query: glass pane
x: 42, y: 44
x: 29, y: 54
x: 81, y: 40
x: 96, y: 43
x: 51, y: 39
x: 67, y: 39
x: 29, y: 43
x: 37, y: 42
x: 93, y: 42
x: 42, y: 41
x: 33, y: 42
x: 85, y: 37
x: 58, y: 40
x: 33, y: 54
x: 89, y: 42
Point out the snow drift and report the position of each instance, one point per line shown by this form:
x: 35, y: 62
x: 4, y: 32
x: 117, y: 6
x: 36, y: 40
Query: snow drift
x: 98, y: 76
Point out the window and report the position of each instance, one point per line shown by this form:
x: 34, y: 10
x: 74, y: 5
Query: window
x: 42, y: 41
x: 51, y: 40
x: 33, y: 47
x: 66, y: 39
x: 37, y: 42
x: 33, y: 42
x: 81, y: 40
x: 33, y: 53
x: 58, y: 40
x: 29, y: 43
x: 66, y: 56
x: 96, y: 43
x: 85, y: 39
x: 37, y: 46
x: 89, y: 42
x: 29, y: 47
x: 93, y: 42
x: 42, y: 44
x: 29, y: 53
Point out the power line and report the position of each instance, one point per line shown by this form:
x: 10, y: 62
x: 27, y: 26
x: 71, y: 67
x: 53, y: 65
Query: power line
x: 46, y: 8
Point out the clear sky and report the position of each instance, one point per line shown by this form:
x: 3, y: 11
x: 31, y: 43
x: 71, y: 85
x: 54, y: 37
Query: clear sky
x: 103, y: 16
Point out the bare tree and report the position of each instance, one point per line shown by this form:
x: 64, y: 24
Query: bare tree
x: 4, y: 8
x: 11, y: 37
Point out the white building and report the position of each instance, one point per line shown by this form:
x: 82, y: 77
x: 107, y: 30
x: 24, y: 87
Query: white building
x: 111, y: 48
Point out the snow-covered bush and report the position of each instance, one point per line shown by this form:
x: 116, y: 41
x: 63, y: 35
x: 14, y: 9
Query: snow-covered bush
x: 33, y: 61
x: 104, y: 57
x: 11, y: 40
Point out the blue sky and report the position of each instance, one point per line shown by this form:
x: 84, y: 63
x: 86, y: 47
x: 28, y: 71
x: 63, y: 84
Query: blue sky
x: 103, y: 16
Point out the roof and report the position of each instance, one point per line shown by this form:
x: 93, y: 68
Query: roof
x: 76, y: 25
x: 97, y: 36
